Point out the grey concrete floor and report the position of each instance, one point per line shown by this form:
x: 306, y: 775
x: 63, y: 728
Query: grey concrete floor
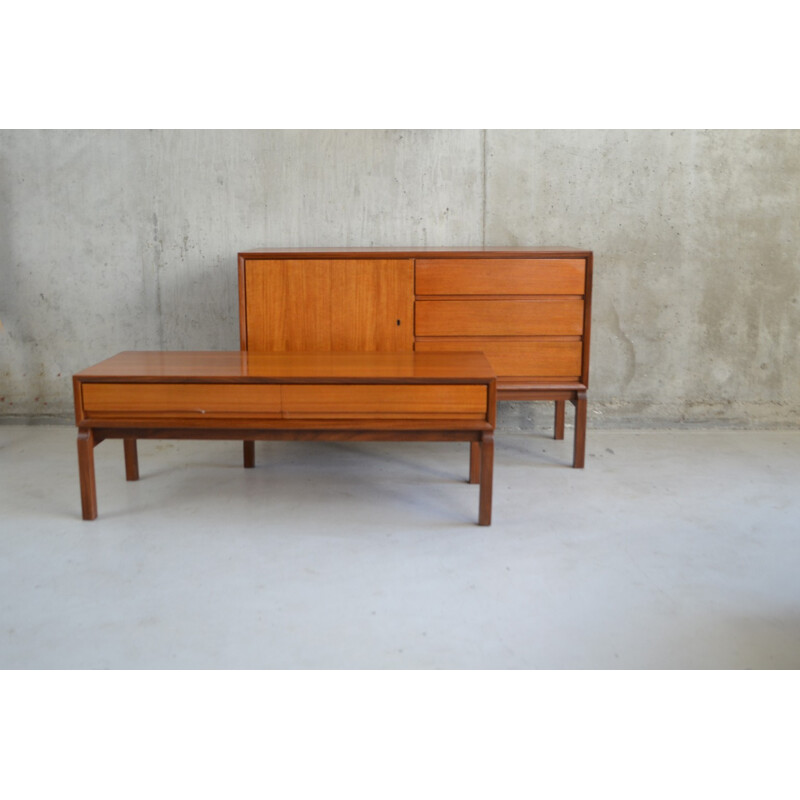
x: 674, y: 550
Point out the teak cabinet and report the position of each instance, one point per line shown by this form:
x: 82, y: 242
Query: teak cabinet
x: 527, y: 309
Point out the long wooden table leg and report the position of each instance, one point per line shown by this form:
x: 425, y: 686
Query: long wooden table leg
x: 487, y: 473
x: 580, y: 430
x: 131, y: 460
x: 561, y: 408
x: 86, y: 443
x: 249, y: 454
x: 474, y: 462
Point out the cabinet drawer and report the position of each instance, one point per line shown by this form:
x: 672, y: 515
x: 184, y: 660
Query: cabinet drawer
x: 320, y: 401
x: 182, y: 400
x: 516, y: 359
x: 528, y: 317
x: 512, y: 276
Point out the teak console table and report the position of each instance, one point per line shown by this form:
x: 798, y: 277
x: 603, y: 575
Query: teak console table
x: 252, y: 396
x: 527, y: 309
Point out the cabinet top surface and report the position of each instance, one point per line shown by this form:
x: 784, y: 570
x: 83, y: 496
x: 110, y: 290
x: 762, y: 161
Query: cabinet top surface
x: 483, y: 251
x: 236, y: 365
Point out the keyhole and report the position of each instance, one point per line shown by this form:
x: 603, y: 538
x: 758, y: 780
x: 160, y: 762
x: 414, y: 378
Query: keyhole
x: 398, y: 322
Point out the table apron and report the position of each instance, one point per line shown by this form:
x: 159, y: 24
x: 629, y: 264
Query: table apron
x: 292, y: 434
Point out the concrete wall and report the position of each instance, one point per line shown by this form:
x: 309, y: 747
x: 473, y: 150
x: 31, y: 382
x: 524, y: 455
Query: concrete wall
x: 114, y: 240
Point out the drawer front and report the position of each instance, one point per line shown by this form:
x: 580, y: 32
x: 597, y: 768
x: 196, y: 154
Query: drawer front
x: 518, y: 359
x: 184, y: 400
x: 320, y: 401
x: 491, y: 276
x: 529, y: 317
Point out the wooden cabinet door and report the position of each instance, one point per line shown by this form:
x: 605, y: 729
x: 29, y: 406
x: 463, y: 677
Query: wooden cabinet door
x: 328, y: 304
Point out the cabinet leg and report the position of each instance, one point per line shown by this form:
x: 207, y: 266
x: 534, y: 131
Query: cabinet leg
x: 474, y: 462
x: 580, y: 431
x: 131, y: 460
x: 561, y: 408
x: 86, y: 443
x: 249, y: 455
x: 487, y: 474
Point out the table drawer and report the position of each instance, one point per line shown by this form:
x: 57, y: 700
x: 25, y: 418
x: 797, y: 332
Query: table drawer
x: 512, y: 276
x: 183, y: 400
x: 514, y: 359
x: 529, y: 317
x: 418, y: 401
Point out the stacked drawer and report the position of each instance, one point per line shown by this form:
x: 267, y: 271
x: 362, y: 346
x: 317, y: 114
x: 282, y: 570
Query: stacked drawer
x: 525, y: 314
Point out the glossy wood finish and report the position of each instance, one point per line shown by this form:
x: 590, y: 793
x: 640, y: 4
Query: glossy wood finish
x: 490, y: 276
x: 275, y: 401
x: 517, y: 317
x: 254, y: 396
x: 181, y: 399
x: 392, y: 401
x: 527, y: 309
x: 516, y: 357
x: 222, y: 366
x: 318, y: 305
